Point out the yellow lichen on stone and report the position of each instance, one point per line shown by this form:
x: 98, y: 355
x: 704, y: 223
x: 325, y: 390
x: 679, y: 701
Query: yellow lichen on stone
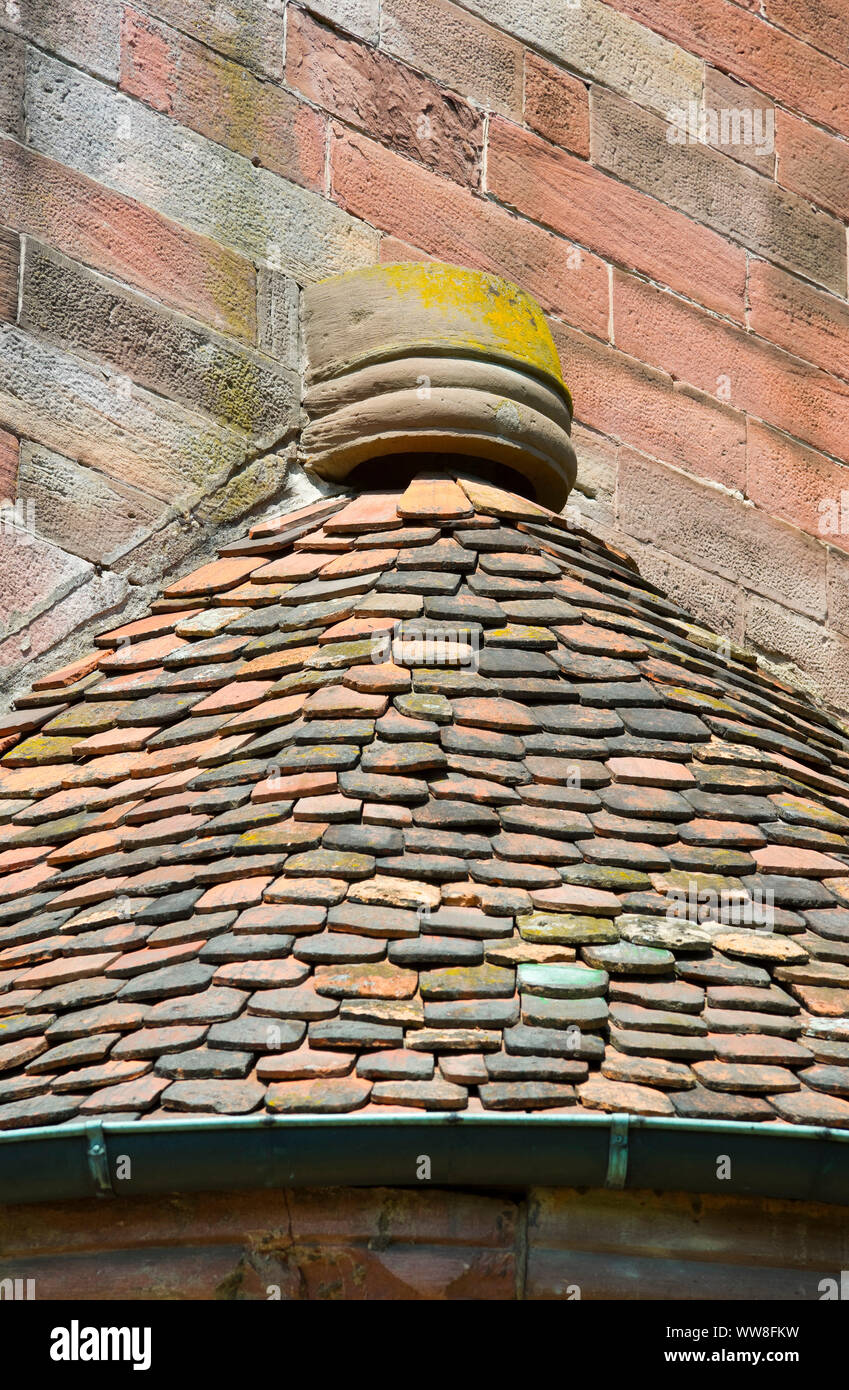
x: 470, y: 309
x: 437, y: 359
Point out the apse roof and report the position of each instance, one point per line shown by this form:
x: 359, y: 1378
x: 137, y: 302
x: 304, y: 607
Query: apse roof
x: 425, y: 799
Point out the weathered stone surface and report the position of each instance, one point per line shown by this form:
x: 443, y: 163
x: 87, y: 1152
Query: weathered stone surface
x: 555, y: 928
x: 468, y: 982
x: 76, y: 308
x: 303, y: 1064
x: 735, y: 1077
x: 689, y: 183
x: 627, y: 959
x: 424, y: 1095
x: 562, y: 981
x: 647, y: 1071
x: 256, y: 1034
x: 260, y: 210
x: 396, y: 1066
x: 80, y: 510
x: 612, y: 1096
x: 318, y: 1096
x: 526, y: 1095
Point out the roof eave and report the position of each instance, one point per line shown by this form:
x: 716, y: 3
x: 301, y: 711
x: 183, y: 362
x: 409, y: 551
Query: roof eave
x: 515, y: 1152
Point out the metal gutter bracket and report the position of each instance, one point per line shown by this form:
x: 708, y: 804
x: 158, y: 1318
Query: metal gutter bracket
x: 96, y: 1158
x: 617, y: 1154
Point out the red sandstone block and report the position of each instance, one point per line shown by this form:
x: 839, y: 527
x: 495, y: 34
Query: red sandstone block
x: 249, y: 32
x: 556, y: 105
x: 619, y: 222
x: 221, y: 100
x: 408, y: 1272
x: 83, y: 31
x: 454, y: 224
x: 434, y: 1217
x: 821, y: 653
x: 716, y: 532
x: 813, y: 163
x: 741, y: 43
x: 825, y: 24
x: 739, y: 368
x: 644, y: 408
x: 9, y: 450
x: 113, y: 233
x: 12, y: 65
x: 206, y: 1272
x: 392, y: 250
x: 797, y: 484
x: 10, y: 254
x: 808, y: 322
x: 723, y: 93
x: 384, y: 98
x: 632, y: 145
x: 456, y: 48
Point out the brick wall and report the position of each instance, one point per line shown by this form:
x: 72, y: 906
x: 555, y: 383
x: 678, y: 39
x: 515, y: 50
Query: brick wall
x: 669, y: 177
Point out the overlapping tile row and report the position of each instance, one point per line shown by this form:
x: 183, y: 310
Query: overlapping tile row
x: 421, y: 799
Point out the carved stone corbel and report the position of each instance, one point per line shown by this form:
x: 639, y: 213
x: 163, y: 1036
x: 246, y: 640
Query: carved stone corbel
x: 430, y: 358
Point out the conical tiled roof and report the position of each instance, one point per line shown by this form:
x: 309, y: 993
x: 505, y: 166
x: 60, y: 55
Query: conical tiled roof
x: 262, y: 851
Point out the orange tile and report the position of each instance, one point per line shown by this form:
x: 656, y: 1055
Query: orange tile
x: 434, y: 498
x: 209, y: 579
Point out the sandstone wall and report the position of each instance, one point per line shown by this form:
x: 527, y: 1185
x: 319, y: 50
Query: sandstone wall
x: 395, y: 1243
x: 171, y: 174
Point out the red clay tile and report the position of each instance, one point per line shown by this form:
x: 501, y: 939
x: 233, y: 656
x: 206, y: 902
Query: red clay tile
x: 339, y: 702
x: 291, y: 568
x: 305, y: 1064
x: 154, y: 626
x: 130, y: 1095
x: 238, y: 695
x: 265, y: 712
x: 574, y: 897
x: 294, y: 785
x: 651, y: 772
x: 372, y: 511
x: 239, y: 893
x: 505, y: 716
x: 272, y: 526
x: 211, y: 578
x: 383, y: 679
x: 601, y: 1094
x: 464, y: 815
x: 68, y: 675
x: 318, y: 1096
x: 787, y: 859
x: 352, y: 628
x: 434, y: 498
x: 115, y: 741
x: 140, y: 656
x: 358, y: 562
x: 383, y: 981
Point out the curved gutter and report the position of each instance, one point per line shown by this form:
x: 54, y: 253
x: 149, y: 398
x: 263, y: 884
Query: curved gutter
x: 223, y: 1153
